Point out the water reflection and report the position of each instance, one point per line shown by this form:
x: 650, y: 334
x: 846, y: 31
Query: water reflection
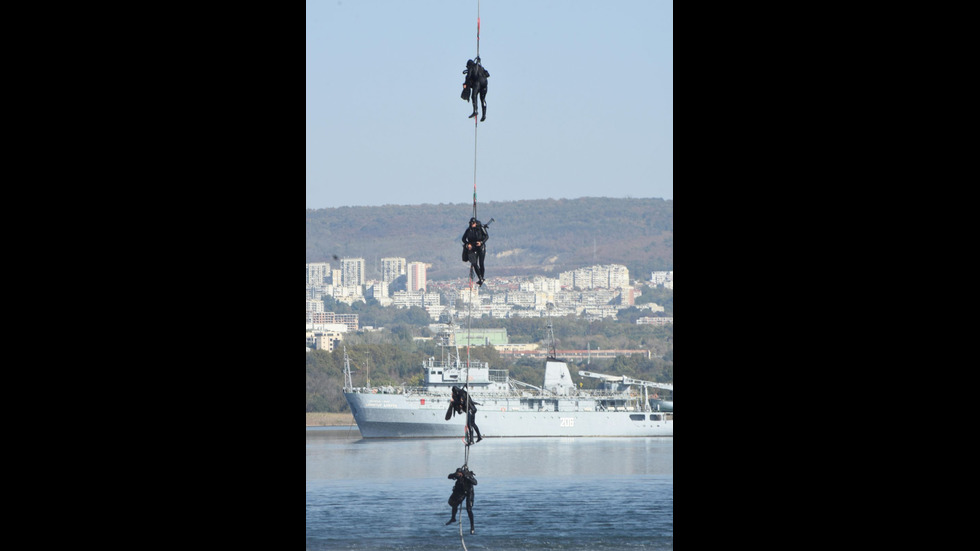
x: 334, y: 457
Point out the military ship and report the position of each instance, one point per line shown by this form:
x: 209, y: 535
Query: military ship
x: 509, y: 408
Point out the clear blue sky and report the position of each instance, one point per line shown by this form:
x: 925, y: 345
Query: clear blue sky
x: 580, y: 101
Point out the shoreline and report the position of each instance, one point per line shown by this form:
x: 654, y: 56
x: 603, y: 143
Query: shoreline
x: 323, y: 419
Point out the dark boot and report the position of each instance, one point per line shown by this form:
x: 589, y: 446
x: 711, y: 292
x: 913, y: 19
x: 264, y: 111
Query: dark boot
x: 471, y: 116
x: 484, y: 117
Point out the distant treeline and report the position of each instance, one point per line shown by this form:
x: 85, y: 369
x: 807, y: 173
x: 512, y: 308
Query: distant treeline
x: 544, y: 236
x: 393, y: 357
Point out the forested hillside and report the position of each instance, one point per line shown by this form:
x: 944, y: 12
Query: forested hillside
x: 544, y: 236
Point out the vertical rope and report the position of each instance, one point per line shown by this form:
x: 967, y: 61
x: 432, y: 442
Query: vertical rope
x: 466, y: 378
x: 467, y: 431
x: 474, y: 166
x: 475, y: 123
x: 460, y: 523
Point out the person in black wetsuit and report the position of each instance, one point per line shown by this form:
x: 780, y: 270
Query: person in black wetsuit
x: 465, y: 480
x: 458, y: 405
x: 475, y: 85
x: 475, y: 247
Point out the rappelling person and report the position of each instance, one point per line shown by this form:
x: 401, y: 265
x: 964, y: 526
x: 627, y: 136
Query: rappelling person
x: 459, y: 403
x: 475, y: 85
x: 463, y: 489
x: 475, y: 247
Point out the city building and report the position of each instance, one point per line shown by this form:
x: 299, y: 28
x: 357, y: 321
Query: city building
x: 407, y: 299
x: 655, y: 320
x: 663, y: 279
x: 323, y: 340
x: 314, y: 305
x: 595, y: 277
x: 627, y: 296
x: 379, y: 291
x: 392, y: 268
x: 431, y: 302
x: 594, y: 292
x: 315, y: 318
x: 317, y: 273
x: 416, y: 276
x: 586, y: 354
x: 351, y: 272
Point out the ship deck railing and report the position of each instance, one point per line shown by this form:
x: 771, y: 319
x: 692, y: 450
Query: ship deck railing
x: 546, y: 395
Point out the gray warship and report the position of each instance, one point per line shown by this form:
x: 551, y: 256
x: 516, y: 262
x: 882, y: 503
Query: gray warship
x: 511, y: 408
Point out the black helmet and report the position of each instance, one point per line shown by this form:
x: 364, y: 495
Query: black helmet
x: 474, y: 221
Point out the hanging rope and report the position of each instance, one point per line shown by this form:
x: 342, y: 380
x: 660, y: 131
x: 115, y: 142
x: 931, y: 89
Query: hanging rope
x: 467, y: 438
x: 474, y: 167
x: 469, y: 320
x: 467, y: 431
x: 461, y: 530
x: 466, y: 379
x: 475, y: 124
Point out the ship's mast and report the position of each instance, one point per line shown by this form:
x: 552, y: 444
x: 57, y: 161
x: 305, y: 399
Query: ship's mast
x: 552, y: 352
x: 348, y: 385
x: 451, y: 341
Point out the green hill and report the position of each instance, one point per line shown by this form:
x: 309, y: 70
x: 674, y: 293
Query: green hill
x: 545, y: 236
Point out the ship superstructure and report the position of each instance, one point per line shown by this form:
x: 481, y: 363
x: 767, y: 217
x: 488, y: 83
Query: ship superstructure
x: 508, y: 407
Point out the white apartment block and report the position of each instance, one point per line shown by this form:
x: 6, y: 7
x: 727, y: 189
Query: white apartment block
x: 392, y: 268
x: 416, y: 276
x: 314, y: 306
x: 596, y: 277
x: 618, y: 276
x: 379, y: 292
x: 541, y: 284
x: 351, y: 272
x: 665, y: 279
x: 655, y: 320
x: 651, y: 306
x: 549, y: 285
x: 464, y: 295
x: 347, y: 291
x: 526, y: 299
x: 322, y: 321
x: 376, y: 290
x: 317, y: 273
x: 599, y: 312
x: 405, y: 299
x: 544, y: 289
x: 435, y: 310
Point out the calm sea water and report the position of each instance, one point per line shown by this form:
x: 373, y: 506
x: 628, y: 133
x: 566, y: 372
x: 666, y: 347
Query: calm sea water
x: 533, y: 494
